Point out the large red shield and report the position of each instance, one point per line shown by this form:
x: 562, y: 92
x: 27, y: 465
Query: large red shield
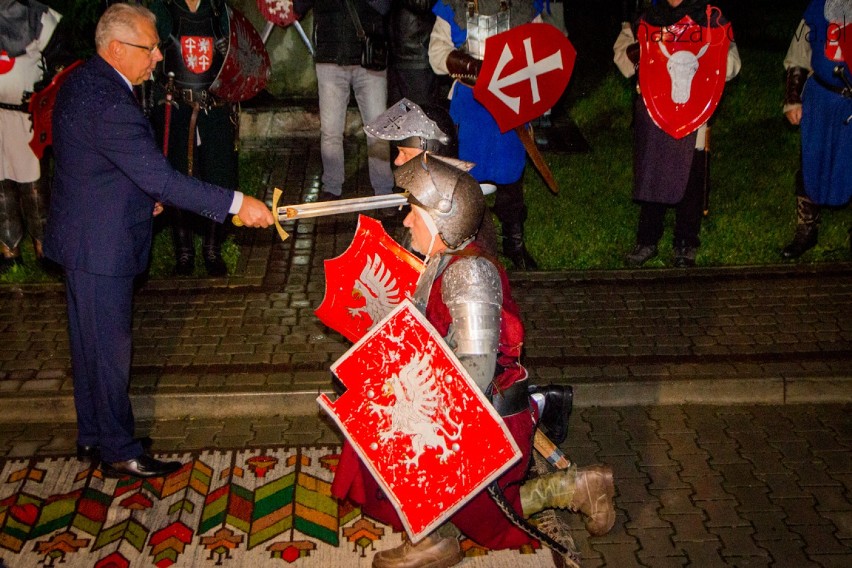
x: 245, y: 71
x: 682, y: 71
x: 367, y: 281
x: 278, y: 12
x: 525, y: 71
x: 41, y: 108
x: 842, y: 37
x: 417, y: 420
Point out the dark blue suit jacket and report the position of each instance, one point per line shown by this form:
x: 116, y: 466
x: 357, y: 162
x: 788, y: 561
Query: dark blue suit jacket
x: 109, y: 174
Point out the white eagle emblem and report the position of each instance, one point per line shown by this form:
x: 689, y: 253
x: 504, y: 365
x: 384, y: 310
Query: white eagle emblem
x: 418, y: 412
x: 378, y: 287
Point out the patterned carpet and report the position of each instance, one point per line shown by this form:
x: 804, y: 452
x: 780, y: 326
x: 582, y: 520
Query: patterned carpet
x: 252, y: 508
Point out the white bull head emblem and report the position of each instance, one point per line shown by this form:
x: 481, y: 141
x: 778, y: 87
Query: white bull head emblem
x: 682, y: 67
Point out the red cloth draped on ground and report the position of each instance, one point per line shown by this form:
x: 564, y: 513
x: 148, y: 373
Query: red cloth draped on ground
x: 480, y: 519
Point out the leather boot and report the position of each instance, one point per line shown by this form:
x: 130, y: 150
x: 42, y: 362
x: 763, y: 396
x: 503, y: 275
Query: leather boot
x: 211, y: 249
x: 11, y: 225
x: 184, y: 248
x: 432, y: 552
x: 558, y: 402
x: 34, y: 204
x: 807, y: 233
x: 587, y: 490
x: 514, y: 247
x: 9, y: 257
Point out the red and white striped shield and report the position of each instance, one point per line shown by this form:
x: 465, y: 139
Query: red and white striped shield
x: 417, y: 420
x: 367, y: 281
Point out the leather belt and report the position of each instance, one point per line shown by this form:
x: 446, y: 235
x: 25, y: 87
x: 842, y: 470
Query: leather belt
x: 512, y: 400
x: 202, y: 98
x: 23, y: 107
x: 842, y: 91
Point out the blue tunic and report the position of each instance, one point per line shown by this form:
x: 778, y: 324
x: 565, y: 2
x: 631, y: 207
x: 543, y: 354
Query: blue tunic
x: 826, y: 132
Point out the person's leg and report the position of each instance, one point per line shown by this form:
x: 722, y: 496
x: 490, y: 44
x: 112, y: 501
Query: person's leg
x: 333, y: 89
x: 11, y: 225
x: 510, y: 210
x: 648, y: 233
x: 100, y: 324
x: 371, y: 94
x: 808, y: 216
x: 688, y: 214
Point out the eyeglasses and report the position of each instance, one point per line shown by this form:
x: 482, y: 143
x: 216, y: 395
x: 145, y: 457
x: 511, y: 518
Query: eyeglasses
x: 150, y: 50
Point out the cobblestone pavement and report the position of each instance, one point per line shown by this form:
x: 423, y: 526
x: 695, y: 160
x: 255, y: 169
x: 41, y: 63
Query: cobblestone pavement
x: 721, y: 397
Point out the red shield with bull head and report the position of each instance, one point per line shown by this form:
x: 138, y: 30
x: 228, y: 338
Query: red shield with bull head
x: 417, y: 420
x: 367, y: 281
x: 682, y: 71
x: 524, y: 72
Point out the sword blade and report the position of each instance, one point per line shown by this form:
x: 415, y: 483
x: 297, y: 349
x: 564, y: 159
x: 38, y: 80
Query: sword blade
x: 304, y: 37
x: 324, y: 208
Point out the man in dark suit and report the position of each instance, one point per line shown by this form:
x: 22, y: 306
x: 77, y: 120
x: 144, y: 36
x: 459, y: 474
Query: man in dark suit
x: 110, y: 181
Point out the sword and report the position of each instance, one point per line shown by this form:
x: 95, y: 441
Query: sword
x: 268, y: 30
x: 169, y: 101
x: 284, y: 213
x: 526, y: 136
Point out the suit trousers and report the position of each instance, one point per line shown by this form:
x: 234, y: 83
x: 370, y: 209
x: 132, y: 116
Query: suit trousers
x: 100, y: 314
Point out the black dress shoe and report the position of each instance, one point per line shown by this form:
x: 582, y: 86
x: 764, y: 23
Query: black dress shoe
x: 140, y: 466
x: 558, y: 402
x: 91, y: 453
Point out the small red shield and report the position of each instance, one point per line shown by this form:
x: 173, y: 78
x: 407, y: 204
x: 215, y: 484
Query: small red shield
x: 278, y: 12
x: 367, y: 281
x: 197, y: 52
x: 417, y: 420
x: 525, y: 71
x: 682, y: 71
x: 6, y: 62
x: 838, y: 45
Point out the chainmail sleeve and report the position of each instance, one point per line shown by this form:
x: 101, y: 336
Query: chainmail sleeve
x: 474, y: 297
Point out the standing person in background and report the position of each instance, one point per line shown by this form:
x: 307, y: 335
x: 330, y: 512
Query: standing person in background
x: 500, y: 158
x: 409, y: 74
x: 339, y: 71
x: 110, y: 181
x: 202, y: 128
x: 819, y: 98
x: 31, y: 53
x: 668, y: 172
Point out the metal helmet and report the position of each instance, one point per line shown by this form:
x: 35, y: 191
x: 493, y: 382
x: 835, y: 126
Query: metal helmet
x: 449, y: 195
x: 429, y: 127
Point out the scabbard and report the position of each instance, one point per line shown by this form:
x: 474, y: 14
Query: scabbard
x: 526, y: 136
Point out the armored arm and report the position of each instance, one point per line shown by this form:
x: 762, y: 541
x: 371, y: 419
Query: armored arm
x: 797, y: 63
x: 474, y: 296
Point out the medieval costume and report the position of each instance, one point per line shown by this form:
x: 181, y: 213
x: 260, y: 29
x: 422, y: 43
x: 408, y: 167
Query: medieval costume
x: 668, y: 171
x: 465, y: 294
x: 199, y: 130
x: 27, y: 37
x: 500, y: 158
x: 819, y: 93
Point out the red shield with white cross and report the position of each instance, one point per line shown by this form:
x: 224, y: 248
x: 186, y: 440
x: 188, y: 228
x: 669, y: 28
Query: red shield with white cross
x: 278, y: 12
x: 367, y: 281
x: 417, y: 420
x: 682, y: 71
x: 197, y: 52
x: 525, y: 71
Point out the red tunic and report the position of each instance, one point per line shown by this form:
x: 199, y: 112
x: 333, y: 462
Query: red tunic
x: 480, y: 519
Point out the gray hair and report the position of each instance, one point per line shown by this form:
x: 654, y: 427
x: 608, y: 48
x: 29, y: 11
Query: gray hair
x: 117, y: 18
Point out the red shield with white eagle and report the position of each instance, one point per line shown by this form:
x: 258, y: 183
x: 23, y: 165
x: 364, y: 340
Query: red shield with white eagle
x: 246, y: 69
x: 682, y: 71
x: 367, y: 281
x: 197, y: 53
x: 417, y: 420
x: 525, y: 71
x: 278, y: 12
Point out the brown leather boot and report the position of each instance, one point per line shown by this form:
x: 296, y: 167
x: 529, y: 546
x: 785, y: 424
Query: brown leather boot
x: 431, y: 552
x: 587, y: 490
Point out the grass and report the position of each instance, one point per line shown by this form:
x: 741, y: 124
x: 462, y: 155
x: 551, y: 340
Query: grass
x: 755, y: 154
